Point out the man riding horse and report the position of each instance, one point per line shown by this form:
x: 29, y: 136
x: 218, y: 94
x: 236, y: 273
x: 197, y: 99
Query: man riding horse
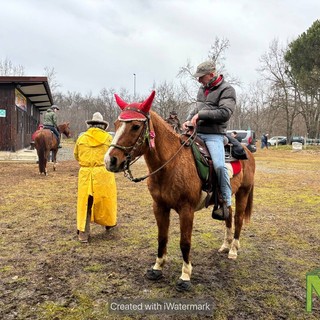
x: 174, y: 121
x: 215, y: 104
x: 50, y: 122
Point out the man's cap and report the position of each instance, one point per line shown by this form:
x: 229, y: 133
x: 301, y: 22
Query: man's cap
x: 54, y: 106
x: 205, y: 68
x: 97, y: 119
x: 173, y: 113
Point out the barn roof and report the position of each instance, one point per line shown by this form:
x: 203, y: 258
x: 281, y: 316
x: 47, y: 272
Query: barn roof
x: 35, y: 88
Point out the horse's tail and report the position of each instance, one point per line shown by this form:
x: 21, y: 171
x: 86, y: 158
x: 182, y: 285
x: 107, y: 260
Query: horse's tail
x: 249, y: 206
x: 41, y: 150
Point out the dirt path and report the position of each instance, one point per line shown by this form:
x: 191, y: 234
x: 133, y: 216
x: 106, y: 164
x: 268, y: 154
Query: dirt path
x: 46, y: 274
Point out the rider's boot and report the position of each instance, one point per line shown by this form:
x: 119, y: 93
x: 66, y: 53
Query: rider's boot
x: 222, y: 212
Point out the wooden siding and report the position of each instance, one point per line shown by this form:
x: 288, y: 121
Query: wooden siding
x: 18, y: 125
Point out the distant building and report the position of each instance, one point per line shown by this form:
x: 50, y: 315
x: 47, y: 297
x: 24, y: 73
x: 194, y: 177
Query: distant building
x: 22, y: 99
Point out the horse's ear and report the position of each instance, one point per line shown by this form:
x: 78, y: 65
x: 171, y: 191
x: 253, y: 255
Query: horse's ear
x: 146, y: 105
x: 122, y: 104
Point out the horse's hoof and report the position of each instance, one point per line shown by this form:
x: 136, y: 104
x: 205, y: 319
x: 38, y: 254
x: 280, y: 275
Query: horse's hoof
x: 154, y: 275
x: 183, y: 285
x: 232, y: 256
x: 223, y: 249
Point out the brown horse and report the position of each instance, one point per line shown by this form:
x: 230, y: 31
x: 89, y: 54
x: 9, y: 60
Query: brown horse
x: 46, y: 141
x: 173, y: 181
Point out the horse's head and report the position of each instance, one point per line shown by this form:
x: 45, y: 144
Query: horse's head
x: 133, y: 136
x: 65, y: 129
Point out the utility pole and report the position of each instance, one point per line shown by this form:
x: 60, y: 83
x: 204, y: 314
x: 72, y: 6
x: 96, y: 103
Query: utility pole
x: 134, y: 86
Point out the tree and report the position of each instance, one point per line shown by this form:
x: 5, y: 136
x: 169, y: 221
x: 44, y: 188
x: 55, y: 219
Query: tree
x: 304, y: 60
x: 7, y: 68
x: 282, y: 98
x: 216, y: 54
x: 170, y: 97
x: 51, y: 76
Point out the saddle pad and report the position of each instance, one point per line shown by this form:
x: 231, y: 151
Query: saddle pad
x: 233, y: 167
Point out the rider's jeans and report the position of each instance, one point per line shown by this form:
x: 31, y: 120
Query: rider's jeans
x: 215, y: 145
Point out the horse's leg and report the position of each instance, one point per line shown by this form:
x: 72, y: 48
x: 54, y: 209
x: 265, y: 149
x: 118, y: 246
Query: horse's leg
x: 54, y: 158
x: 241, y: 203
x: 162, y: 215
x: 45, y: 161
x: 186, y: 224
x: 228, y: 236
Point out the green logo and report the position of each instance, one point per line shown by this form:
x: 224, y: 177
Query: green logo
x: 313, y: 285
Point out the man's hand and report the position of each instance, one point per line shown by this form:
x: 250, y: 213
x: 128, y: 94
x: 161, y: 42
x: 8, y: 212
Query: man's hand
x: 194, y: 120
x: 185, y: 125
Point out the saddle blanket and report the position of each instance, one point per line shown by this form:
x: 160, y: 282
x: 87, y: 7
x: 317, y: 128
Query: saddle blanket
x: 233, y: 167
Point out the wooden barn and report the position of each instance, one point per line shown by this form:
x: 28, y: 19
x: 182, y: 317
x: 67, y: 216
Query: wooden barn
x: 22, y: 99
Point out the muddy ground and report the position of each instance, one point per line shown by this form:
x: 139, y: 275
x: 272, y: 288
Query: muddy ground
x: 45, y: 273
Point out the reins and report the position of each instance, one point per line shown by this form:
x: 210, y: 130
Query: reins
x: 144, y: 135
x: 127, y: 171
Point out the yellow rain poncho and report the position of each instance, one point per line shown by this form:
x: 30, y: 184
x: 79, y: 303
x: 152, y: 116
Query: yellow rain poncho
x: 95, y: 180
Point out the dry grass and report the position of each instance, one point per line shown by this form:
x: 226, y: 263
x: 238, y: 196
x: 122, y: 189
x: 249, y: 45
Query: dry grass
x: 46, y: 274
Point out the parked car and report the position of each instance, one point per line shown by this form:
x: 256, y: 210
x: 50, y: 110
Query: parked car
x: 248, y: 138
x: 277, y: 140
x: 297, y: 139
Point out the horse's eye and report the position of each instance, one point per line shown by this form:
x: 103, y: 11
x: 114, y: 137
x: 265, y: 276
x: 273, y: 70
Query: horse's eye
x: 135, y: 127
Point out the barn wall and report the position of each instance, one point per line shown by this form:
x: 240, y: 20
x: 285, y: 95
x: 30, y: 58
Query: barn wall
x: 7, y: 130
x: 18, y: 125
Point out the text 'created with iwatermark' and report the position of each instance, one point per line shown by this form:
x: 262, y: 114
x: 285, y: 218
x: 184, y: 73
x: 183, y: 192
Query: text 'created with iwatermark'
x: 164, y: 306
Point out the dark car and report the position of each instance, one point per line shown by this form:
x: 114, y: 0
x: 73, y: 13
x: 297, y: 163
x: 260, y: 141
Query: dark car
x: 297, y: 139
x: 248, y: 138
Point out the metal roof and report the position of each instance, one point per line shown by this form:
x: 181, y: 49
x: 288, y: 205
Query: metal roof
x: 35, y: 88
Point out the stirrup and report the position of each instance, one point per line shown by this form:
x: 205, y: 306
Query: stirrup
x: 221, y: 213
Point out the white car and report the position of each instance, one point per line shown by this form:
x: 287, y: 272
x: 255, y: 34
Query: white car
x: 280, y: 140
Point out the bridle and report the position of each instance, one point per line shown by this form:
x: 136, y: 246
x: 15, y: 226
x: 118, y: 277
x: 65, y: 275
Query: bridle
x: 143, y: 136
x: 129, y: 151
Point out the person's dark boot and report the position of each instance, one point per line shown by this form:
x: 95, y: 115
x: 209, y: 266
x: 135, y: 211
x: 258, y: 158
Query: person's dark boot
x: 221, y: 213
x: 110, y: 227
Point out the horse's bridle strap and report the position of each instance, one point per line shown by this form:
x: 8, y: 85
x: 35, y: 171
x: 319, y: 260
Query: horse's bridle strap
x: 147, y: 115
x: 138, y: 142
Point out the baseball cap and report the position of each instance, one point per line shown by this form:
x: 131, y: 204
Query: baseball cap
x: 205, y: 68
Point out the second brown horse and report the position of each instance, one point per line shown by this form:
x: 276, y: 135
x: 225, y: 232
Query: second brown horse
x: 46, y: 141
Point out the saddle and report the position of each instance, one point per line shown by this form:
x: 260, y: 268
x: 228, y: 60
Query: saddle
x: 234, y: 152
x: 52, y: 131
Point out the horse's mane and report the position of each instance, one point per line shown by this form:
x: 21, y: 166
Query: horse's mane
x: 167, y: 145
x: 160, y: 124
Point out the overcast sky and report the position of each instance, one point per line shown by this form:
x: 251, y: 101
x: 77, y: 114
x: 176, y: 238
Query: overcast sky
x: 95, y: 44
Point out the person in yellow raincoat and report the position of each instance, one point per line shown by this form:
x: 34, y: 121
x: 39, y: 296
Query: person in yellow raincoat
x: 97, y: 191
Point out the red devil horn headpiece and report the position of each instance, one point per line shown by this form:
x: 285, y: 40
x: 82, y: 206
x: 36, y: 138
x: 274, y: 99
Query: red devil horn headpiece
x: 122, y: 104
x: 135, y: 111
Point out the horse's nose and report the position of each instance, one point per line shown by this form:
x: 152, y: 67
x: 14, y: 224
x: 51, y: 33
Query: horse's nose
x: 111, y: 164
